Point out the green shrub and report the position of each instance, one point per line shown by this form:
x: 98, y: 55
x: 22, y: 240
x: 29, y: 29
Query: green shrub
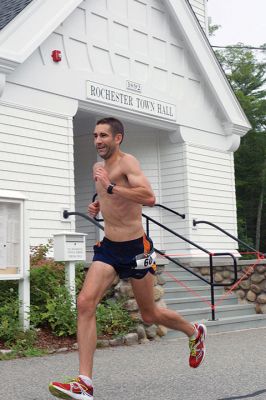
x: 38, y: 253
x: 9, y: 320
x: 80, y: 276
x: 51, y: 305
x: 50, y: 300
x: 44, y: 282
x: 8, y: 289
x: 24, y: 341
x: 112, y: 319
x: 60, y: 314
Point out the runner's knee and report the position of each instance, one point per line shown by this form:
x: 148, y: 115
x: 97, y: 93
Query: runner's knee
x: 86, y: 305
x: 148, y: 317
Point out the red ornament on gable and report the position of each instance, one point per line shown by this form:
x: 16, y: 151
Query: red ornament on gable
x: 56, y: 55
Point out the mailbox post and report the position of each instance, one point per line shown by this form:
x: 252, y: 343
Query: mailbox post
x: 70, y: 247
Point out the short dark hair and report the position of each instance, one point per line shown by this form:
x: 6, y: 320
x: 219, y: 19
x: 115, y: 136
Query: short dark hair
x: 115, y: 125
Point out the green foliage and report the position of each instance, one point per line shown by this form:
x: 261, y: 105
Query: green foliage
x: 247, y: 76
x: 50, y: 300
x: 213, y: 28
x: 51, y: 306
x: 60, y: 313
x: 112, y: 319
x: 39, y: 253
x: 21, y: 343
x: 8, y: 289
x: 44, y: 282
x: 9, y: 320
x: 24, y: 341
x: 80, y: 276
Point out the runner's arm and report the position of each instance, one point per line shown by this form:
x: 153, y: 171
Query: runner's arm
x: 140, y: 190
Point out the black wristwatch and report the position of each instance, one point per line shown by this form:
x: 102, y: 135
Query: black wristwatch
x: 110, y: 188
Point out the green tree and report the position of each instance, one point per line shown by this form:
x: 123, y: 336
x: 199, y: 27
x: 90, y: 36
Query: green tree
x: 247, y: 75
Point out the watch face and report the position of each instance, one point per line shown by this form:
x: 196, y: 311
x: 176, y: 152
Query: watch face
x: 110, y: 188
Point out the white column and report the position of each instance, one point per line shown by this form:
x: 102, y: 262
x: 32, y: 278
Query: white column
x: 24, y: 301
x: 70, y: 274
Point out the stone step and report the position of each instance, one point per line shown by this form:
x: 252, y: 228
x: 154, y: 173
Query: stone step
x: 227, y: 324
x: 184, y: 303
x: 202, y: 291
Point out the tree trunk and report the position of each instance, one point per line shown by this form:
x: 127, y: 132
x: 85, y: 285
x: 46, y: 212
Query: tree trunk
x: 260, y: 207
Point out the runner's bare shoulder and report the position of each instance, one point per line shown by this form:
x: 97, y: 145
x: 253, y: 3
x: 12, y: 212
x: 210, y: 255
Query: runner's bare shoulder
x: 129, y: 162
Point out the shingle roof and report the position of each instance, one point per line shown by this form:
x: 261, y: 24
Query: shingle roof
x: 9, y: 9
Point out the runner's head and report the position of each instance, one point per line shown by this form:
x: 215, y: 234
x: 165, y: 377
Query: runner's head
x: 116, y: 126
x: 108, y: 135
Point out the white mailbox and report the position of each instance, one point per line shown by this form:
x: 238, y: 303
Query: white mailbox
x: 69, y: 246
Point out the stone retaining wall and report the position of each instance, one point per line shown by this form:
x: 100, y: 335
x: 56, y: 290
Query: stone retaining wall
x: 252, y: 285
x: 143, y: 333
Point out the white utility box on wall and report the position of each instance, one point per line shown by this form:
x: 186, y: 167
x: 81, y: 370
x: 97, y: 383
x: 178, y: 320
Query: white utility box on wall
x: 70, y: 247
x: 14, y: 247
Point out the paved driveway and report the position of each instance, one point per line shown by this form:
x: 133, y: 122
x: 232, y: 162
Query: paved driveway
x: 234, y: 369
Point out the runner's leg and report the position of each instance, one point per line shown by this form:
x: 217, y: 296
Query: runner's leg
x: 151, y: 313
x: 99, y: 278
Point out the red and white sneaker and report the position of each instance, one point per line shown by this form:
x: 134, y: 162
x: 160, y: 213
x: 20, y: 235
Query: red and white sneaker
x: 197, y: 347
x: 75, y: 389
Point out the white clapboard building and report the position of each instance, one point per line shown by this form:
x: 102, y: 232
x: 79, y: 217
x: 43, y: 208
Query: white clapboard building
x: 66, y: 63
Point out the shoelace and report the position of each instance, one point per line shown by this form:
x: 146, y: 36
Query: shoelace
x: 76, y: 381
x: 193, y: 347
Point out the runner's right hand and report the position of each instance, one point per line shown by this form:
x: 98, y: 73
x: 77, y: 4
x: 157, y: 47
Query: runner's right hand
x: 94, y: 208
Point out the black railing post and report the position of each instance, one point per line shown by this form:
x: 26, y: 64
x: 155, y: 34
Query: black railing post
x: 212, y: 288
x: 147, y: 227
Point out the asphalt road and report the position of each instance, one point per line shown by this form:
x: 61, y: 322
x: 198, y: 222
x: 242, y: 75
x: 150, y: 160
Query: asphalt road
x: 234, y: 369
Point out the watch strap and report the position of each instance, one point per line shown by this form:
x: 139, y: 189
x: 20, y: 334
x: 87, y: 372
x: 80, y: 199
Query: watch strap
x: 110, y: 188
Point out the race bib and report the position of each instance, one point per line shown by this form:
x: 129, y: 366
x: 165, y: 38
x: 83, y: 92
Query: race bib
x: 144, y: 262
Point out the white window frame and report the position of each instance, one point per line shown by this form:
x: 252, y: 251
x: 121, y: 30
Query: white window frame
x: 24, y: 268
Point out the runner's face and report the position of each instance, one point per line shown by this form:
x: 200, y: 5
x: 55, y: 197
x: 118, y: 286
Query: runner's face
x: 104, y: 141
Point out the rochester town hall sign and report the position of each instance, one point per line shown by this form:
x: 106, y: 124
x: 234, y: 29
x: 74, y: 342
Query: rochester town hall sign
x: 130, y: 101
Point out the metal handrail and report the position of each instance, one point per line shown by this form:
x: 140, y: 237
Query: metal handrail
x: 212, y: 283
x: 169, y: 209
x: 67, y: 214
x: 195, y: 223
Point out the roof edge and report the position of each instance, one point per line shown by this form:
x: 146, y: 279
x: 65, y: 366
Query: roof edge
x: 22, y: 36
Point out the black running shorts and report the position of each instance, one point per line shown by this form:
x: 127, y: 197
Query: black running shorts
x: 130, y: 259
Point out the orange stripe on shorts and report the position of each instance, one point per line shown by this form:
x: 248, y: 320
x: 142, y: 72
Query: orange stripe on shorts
x: 146, y: 244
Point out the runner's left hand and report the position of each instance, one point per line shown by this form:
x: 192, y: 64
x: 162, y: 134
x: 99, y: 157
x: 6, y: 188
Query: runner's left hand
x: 101, y: 176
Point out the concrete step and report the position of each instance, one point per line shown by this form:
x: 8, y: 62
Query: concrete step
x: 187, y: 281
x: 227, y: 324
x: 202, y: 291
x: 181, y: 274
x: 178, y: 271
x: 184, y: 303
x: 224, y: 311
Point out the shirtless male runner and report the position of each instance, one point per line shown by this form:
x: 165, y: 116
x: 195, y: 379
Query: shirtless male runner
x: 125, y: 250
